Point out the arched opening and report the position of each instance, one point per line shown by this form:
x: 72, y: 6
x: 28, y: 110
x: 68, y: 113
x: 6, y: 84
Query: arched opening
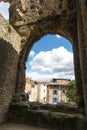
x: 20, y: 88
x: 4, y: 10
x: 51, y: 48
x: 50, y: 62
x: 61, y: 21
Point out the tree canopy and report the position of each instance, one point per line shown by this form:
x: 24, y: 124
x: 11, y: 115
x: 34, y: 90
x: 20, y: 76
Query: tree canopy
x: 71, y: 91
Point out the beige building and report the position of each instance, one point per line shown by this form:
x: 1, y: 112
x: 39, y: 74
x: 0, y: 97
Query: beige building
x: 42, y: 87
x: 37, y: 91
x: 56, y: 91
x: 32, y: 88
x: 52, y: 92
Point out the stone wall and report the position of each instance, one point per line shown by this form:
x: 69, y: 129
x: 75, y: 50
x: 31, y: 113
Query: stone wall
x: 9, y: 54
x: 56, y: 117
x: 37, y: 18
x: 33, y: 19
x: 28, y: 15
x: 82, y: 40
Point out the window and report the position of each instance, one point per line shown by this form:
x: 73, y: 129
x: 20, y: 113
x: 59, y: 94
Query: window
x: 44, y: 98
x: 55, y: 91
x: 63, y: 87
x: 63, y: 91
x: 55, y: 100
x: 44, y: 90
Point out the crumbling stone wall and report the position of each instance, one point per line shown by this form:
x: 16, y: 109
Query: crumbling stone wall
x: 37, y: 18
x: 82, y: 40
x: 9, y: 55
x: 33, y: 19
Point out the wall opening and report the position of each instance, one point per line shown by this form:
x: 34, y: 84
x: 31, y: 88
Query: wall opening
x: 4, y: 10
x: 49, y: 67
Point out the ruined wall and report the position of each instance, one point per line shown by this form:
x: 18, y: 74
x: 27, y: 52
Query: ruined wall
x: 33, y: 19
x: 82, y: 40
x: 37, y: 18
x: 9, y: 54
x: 41, y: 15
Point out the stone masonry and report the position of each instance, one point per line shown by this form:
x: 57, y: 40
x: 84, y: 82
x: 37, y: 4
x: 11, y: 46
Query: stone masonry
x: 9, y: 54
x: 32, y: 19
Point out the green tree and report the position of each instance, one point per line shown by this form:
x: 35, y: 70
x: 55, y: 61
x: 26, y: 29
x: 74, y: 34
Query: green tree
x: 71, y: 91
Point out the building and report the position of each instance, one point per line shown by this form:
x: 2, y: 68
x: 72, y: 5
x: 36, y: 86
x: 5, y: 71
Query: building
x: 31, y: 88
x: 37, y: 91
x: 52, y: 92
x: 42, y: 87
x: 56, y: 91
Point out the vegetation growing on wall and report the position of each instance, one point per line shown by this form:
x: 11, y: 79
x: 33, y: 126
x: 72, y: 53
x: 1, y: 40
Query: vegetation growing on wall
x: 10, y: 28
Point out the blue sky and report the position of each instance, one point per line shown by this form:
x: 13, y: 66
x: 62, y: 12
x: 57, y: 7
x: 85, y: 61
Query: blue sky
x: 50, y: 57
x: 49, y: 42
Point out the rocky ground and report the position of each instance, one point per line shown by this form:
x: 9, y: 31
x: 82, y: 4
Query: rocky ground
x: 20, y: 127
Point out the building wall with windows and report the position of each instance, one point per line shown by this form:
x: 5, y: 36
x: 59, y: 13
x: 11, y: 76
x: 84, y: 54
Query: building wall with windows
x: 37, y: 91
x: 32, y: 89
x: 56, y: 91
x: 47, y: 92
x: 42, y: 92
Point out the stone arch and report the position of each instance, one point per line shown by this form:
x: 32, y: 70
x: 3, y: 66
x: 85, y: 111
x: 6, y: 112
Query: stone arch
x: 34, y: 37
x: 34, y: 19
x: 63, y: 22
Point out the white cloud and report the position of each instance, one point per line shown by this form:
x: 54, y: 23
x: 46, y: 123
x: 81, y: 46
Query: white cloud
x: 58, y: 36
x: 32, y: 54
x: 55, y: 63
x: 47, y: 77
x: 4, y: 10
x: 39, y: 77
